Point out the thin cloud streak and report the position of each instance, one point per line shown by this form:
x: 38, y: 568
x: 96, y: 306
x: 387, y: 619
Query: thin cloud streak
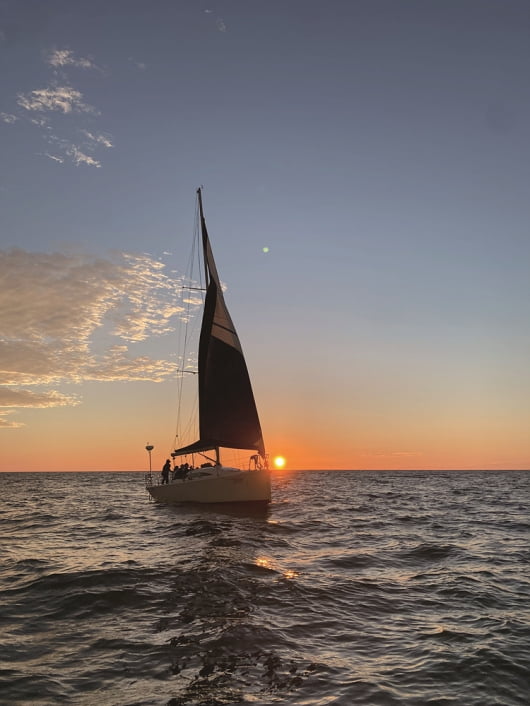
x: 97, y: 139
x: 7, y: 423
x: 55, y: 159
x: 10, y: 397
x: 391, y: 454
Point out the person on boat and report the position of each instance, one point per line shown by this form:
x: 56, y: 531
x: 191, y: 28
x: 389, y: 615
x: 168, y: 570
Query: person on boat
x: 181, y: 471
x: 165, y: 471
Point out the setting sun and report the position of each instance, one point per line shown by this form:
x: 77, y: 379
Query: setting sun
x: 279, y: 462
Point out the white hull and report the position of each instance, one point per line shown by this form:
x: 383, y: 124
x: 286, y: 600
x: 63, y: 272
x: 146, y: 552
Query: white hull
x: 223, y: 485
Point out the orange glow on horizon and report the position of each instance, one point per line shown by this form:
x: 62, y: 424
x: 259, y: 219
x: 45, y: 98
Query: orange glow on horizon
x: 114, y: 439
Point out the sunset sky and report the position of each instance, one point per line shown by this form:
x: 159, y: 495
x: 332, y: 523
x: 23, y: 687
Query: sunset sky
x: 379, y: 149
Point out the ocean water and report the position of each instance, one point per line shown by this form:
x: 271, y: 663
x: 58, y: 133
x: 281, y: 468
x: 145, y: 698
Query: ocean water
x: 377, y: 588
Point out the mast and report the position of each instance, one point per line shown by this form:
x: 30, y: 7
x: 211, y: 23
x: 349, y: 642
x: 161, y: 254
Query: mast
x: 204, y: 234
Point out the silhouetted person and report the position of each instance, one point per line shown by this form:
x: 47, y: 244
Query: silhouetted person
x: 165, y: 471
x: 182, y: 471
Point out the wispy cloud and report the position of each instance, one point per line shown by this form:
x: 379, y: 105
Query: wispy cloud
x: 56, y: 109
x: 60, y: 58
x: 68, y: 318
x: 55, y: 159
x: 12, y: 397
x: 63, y: 99
x: 79, y: 157
x: 97, y: 139
x: 8, y: 118
x: 139, y: 64
x: 6, y: 422
x: 80, y: 149
x: 219, y: 22
x: 41, y: 122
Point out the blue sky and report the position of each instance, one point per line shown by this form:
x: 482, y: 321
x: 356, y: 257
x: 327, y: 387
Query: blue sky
x: 379, y: 149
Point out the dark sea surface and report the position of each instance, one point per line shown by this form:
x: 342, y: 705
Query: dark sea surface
x: 378, y: 588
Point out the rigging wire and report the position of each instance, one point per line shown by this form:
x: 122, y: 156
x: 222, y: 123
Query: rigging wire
x: 185, y: 335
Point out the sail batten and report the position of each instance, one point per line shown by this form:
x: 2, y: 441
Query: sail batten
x: 228, y: 415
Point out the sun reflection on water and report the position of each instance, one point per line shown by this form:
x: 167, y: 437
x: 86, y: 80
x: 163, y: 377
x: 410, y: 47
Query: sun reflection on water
x: 263, y: 563
x: 267, y: 563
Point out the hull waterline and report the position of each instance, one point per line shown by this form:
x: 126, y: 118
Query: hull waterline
x: 227, y: 487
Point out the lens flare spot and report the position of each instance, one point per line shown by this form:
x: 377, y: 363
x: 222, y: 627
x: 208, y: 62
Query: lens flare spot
x: 279, y: 462
x: 265, y: 249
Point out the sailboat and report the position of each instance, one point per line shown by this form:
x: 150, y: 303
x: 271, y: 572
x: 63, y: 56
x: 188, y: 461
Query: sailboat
x: 228, y: 417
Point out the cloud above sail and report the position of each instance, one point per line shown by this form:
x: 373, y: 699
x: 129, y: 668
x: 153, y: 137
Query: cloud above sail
x: 70, y: 318
x: 61, y: 113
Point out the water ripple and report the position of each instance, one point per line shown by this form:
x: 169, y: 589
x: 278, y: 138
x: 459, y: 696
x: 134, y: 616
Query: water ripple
x: 352, y: 588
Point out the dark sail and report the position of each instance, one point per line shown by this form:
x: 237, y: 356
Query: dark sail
x: 227, y: 412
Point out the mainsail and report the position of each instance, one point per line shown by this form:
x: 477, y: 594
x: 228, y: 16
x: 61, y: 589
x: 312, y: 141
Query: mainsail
x: 227, y: 411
